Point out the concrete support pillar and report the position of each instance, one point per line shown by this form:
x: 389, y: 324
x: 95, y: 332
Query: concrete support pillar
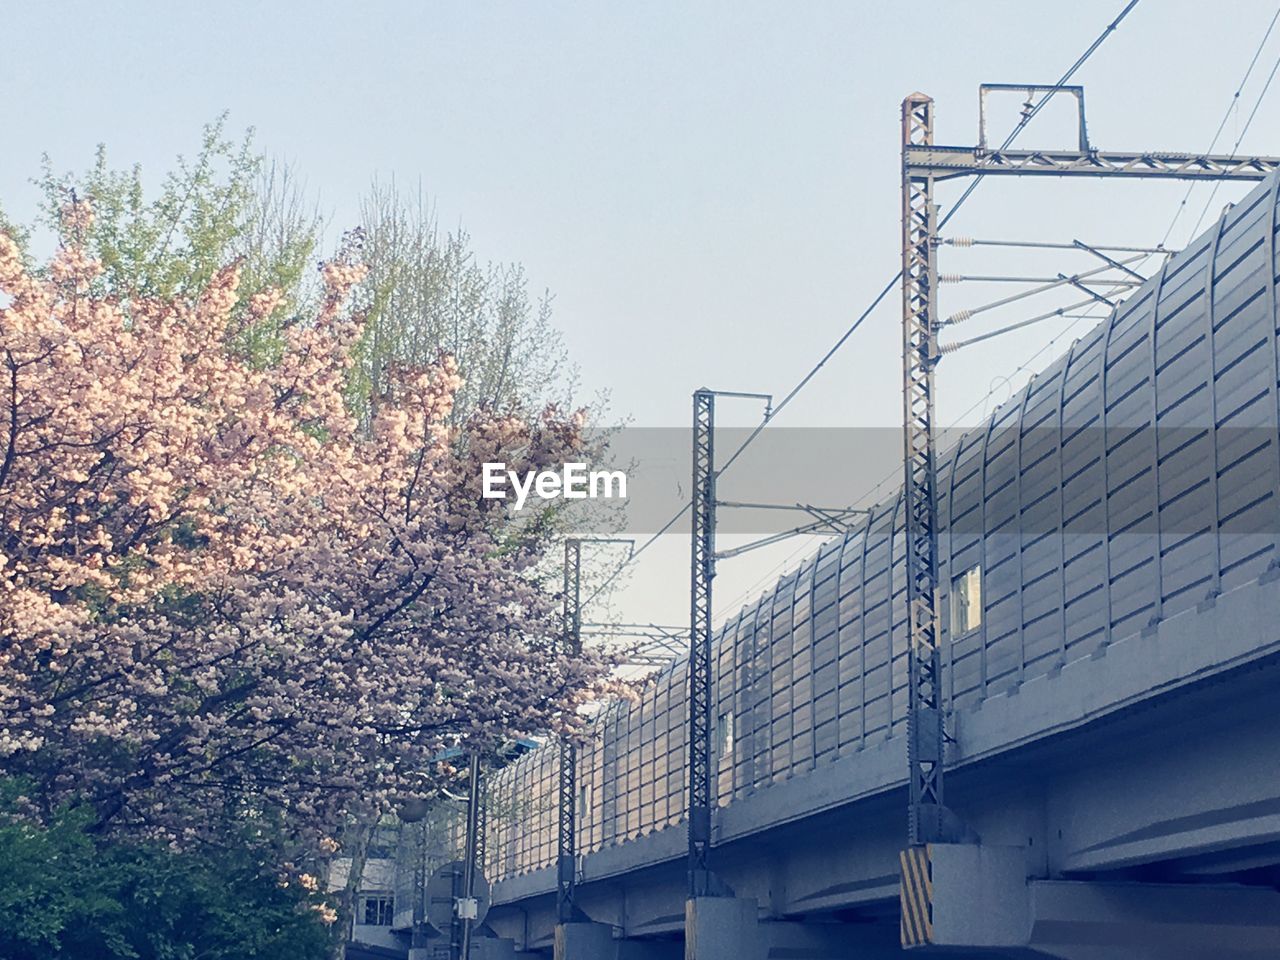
x: 965, y: 895
x: 585, y: 941
x: 829, y: 941
x: 722, y: 928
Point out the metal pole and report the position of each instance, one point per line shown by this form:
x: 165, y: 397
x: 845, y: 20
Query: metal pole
x: 922, y: 165
x: 919, y: 356
x: 567, y: 848
x: 1047, y: 315
x: 482, y: 829
x: 701, y: 573
x: 469, y: 857
x: 946, y: 163
x: 1051, y: 245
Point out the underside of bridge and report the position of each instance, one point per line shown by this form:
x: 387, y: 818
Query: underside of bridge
x: 1153, y: 832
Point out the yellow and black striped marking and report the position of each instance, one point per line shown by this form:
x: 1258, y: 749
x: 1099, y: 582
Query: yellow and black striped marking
x: 915, y: 893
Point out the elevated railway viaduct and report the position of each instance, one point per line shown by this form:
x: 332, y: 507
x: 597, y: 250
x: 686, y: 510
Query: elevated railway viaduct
x: 1110, y: 596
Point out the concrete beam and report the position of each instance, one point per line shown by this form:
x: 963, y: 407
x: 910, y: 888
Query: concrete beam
x: 1148, y: 921
x: 650, y: 950
x: 978, y: 897
x: 493, y: 948
x: 795, y: 940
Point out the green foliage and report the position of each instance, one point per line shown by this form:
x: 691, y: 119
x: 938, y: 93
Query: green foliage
x: 225, y: 205
x: 426, y: 293
x: 66, y: 894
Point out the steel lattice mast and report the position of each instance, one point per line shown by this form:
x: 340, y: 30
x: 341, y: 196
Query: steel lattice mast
x: 923, y: 165
x: 567, y: 847
x: 919, y: 357
x: 702, y: 571
x: 567, y: 910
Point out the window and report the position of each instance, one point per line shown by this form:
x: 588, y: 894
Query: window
x: 724, y: 731
x: 378, y: 911
x: 966, y: 602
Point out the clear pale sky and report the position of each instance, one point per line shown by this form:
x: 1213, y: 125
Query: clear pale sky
x: 709, y: 189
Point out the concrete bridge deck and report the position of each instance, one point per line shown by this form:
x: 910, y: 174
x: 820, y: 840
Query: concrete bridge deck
x: 1108, y: 793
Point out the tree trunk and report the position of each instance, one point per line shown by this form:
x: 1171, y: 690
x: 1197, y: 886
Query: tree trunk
x: 357, y: 844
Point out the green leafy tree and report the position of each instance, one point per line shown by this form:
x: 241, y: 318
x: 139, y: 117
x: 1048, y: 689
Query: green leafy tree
x: 427, y: 291
x: 227, y: 204
x: 66, y: 893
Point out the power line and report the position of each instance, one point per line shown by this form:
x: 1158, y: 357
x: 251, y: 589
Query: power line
x: 1030, y: 115
x: 743, y: 596
x: 981, y: 401
x: 1236, y: 146
x: 1232, y: 105
x: 893, y: 282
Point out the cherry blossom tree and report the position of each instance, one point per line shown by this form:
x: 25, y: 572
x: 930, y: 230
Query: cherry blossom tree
x: 224, y: 599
